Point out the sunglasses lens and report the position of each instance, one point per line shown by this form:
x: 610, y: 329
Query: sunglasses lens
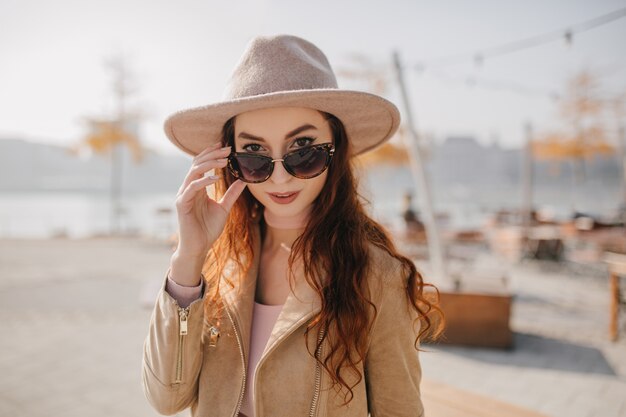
x: 304, y: 163
x: 251, y: 168
x: 307, y: 162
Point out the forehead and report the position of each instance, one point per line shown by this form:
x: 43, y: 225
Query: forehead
x: 273, y: 123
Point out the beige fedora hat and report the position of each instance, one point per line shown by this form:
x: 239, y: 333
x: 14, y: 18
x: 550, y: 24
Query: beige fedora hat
x: 278, y: 71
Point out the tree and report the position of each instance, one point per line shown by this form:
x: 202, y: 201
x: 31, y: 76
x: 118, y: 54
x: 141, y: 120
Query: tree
x: 585, y: 134
x: 106, y: 135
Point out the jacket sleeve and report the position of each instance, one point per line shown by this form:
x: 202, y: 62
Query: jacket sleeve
x: 172, y: 357
x: 392, y: 367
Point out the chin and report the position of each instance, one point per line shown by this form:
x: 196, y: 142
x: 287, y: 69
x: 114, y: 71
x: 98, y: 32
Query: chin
x: 286, y: 210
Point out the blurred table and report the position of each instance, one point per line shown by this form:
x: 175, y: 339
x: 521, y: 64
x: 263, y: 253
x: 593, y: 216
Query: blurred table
x: 617, y: 268
x: 545, y: 242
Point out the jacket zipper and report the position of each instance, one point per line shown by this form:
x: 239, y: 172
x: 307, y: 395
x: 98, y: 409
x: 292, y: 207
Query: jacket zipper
x: 183, y: 314
x: 318, y: 375
x: 243, y: 363
x: 214, y: 334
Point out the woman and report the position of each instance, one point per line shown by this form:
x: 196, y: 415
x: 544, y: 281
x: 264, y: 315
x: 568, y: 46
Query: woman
x: 283, y: 298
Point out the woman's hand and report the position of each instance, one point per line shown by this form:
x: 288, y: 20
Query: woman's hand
x: 201, y: 219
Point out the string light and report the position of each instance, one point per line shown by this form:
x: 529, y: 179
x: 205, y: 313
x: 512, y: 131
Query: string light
x: 499, y: 85
x: 478, y: 58
x: 383, y: 76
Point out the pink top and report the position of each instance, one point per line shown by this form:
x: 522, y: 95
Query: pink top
x: 263, y: 320
x: 182, y: 294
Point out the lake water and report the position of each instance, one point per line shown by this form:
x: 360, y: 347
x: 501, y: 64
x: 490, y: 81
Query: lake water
x: 44, y: 214
x: 81, y: 215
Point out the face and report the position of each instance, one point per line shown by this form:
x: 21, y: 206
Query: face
x: 274, y: 132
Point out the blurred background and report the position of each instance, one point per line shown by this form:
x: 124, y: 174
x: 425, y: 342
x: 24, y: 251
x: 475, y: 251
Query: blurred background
x: 506, y: 184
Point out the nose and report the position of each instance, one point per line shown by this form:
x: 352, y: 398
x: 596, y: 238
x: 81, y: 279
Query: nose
x: 280, y: 174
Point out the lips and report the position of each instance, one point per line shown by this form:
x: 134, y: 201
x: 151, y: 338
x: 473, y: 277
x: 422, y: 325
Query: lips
x: 284, y: 198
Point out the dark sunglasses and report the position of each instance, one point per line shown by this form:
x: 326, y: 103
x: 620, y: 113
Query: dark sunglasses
x: 306, y: 162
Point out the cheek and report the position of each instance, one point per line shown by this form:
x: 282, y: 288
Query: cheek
x: 317, y: 185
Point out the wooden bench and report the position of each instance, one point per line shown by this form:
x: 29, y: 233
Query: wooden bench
x: 477, y: 319
x: 442, y: 400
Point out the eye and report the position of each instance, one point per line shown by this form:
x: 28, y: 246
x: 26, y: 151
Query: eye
x: 250, y: 147
x: 304, y: 141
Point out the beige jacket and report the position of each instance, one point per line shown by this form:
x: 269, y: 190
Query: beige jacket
x: 180, y: 372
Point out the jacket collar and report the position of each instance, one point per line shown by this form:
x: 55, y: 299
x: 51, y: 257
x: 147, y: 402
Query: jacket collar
x: 301, y: 304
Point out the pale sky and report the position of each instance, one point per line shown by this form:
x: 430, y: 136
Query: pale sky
x: 52, y: 57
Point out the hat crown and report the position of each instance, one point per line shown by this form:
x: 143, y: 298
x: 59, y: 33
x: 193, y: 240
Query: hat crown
x: 279, y: 63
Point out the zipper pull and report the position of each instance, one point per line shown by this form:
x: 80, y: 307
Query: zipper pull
x: 214, y: 334
x: 183, y: 312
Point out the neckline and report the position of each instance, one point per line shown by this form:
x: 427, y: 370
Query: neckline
x: 267, y: 305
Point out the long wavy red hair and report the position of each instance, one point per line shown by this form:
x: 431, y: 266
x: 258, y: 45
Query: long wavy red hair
x: 334, y: 245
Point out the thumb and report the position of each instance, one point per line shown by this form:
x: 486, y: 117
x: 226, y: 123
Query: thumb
x: 231, y: 195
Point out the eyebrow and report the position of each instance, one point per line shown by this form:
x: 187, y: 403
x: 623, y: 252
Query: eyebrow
x: 294, y: 132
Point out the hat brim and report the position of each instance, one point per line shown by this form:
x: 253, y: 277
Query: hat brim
x: 369, y: 119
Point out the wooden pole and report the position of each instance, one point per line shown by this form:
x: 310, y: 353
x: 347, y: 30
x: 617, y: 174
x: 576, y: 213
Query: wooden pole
x: 615, y: 299
x: 621, y: 132
x: 419, y: 175
x: 527, y: 186
x: 617, y: 268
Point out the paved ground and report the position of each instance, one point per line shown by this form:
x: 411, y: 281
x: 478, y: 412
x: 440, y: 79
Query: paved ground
x: 73, y: 324
x: 562, y: 363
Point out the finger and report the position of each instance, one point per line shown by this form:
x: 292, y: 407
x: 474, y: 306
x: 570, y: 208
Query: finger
x: 218, y: 153
x: 231, y: 195
x: 209, y: 148
x: 192, y: 190
x: 215, y: 153
x: 198, y: 170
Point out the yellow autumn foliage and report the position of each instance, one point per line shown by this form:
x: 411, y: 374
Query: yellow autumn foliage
x: 104, y: 135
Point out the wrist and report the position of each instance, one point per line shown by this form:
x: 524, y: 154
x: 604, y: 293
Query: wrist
x: 181, y: 255
x: 186, y: 270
